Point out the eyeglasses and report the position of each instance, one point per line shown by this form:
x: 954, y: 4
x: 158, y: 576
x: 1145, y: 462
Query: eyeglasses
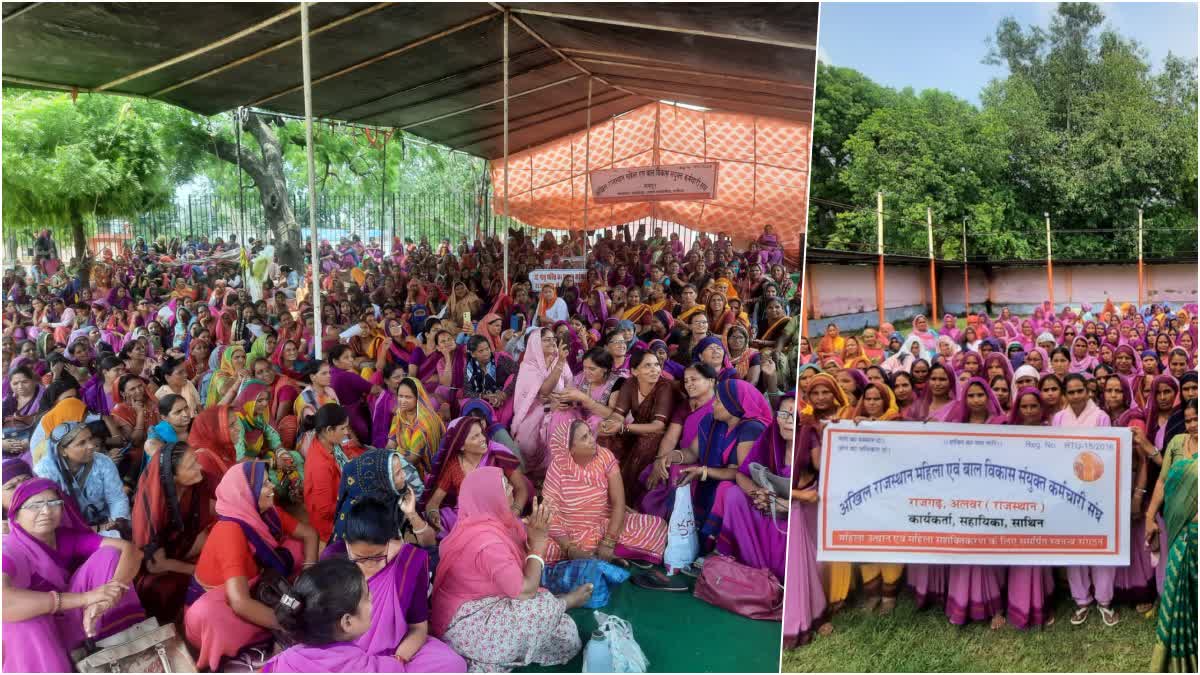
x: 370, y: 559
x: 38, y: 507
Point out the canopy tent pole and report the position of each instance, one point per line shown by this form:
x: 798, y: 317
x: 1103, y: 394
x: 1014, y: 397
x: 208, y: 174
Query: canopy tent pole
x: 507, y: 219
x: 237, y: 129
x: 932, y: 272
x: 879, y: 292
x: 1141, y: 266
x: 966, y: 274
x: 1049, y: 262
x: 312, y: 179
x: 587, y: 179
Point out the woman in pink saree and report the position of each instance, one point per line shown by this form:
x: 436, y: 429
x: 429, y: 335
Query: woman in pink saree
x: 587, y: 400
x: 488, y: 604
x: 52, y: 559
x: 543, y: 376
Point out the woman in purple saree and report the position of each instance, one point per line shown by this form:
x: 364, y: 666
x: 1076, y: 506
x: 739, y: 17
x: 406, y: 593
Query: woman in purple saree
x: 397, y: 575
x: 753, y: 529
x: 62, y: 582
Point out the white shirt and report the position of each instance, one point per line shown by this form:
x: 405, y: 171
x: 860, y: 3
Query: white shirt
x: 557, y: 312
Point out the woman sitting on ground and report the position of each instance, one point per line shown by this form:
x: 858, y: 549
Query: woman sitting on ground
x: 416, y: 430
x: 326, y: 613
x: 172, y: 514
x: 323, y: 468
x: 584, y: 490
x: 385, y: 477
x: 467, y: 449
x: 397, y: 574
x: 487, y: 601
x: 62, y: 582
x: 90, y: 478
x: 250, y: 538
x: 256, y: 439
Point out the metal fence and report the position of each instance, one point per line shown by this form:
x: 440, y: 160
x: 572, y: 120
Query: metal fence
x: 457, y: 216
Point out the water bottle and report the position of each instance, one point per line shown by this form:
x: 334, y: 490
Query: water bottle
x: 597, y: 658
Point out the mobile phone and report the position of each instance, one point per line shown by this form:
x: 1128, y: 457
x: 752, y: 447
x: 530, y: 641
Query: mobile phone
x: 466, y: 319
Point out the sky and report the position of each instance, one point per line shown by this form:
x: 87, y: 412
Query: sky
x: 942, y: 45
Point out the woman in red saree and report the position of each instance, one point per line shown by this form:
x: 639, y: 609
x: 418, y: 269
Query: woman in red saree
x: 211, y: 436
x: 172, y: 513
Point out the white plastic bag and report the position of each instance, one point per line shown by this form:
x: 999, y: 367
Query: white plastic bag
x: 612, y: 647
x: 683, y: 539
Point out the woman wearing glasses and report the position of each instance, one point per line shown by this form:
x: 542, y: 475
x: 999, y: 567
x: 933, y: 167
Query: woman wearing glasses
x: 61, y: 581
x: 89, y: 477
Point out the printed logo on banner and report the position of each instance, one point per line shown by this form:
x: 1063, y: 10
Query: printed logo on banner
x: 974, y: 494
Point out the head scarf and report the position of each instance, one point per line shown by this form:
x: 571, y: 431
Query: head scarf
x: 839, y: 396
x: 1153, y: 410
x: 369, y: 476
x: 961, y: 412
x: 425, y: 435
x: 1014, y: 416
x: 160, y: 506
x: 482, y: 330
x: 13, y: 468
x: 533, y: 373
x: 1085, y: 364
x: 237, y: 501
x: 210, y: 437
x: 29, y: 555
x: 890, y: 409
x: 919, y: 409
x: 487, y: 540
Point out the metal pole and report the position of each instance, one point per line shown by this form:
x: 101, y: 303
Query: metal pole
x: 932, y: 271
x: 1141, y: 266
x: 587, y: 180
x: 507, y: 219
x: 312, y: 179
x: 879, y: 292
x: 1049, y: 263
x: 237, y: 129
x: 966, y: 274
x: 383, y: 194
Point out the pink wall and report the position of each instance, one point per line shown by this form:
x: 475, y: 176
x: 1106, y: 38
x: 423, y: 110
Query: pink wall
x: 842, y: 290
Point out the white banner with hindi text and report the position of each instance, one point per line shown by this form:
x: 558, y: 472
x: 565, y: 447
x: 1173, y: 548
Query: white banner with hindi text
x: 539, y: 278
x: 974, y: 494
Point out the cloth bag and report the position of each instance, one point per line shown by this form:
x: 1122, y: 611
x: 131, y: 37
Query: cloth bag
x: 752, y: 592
x: 568, y: 575
x: 142, y: 648
x: 612, y: 648
x: 683, y: 539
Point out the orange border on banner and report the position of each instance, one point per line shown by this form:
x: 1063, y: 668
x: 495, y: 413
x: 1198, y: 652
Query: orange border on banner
x: 828, y: 452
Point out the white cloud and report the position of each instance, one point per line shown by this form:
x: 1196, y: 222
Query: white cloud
x: 823, y: 55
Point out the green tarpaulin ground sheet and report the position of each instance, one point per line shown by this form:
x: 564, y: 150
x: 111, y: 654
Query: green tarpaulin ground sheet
x: 682, y: 634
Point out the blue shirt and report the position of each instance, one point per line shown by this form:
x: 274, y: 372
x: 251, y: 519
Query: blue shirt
x: 102, y: 497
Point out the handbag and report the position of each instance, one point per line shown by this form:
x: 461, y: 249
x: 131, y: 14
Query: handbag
x: 683, y: 539
x: 749, y: 591
x: 142, y: 648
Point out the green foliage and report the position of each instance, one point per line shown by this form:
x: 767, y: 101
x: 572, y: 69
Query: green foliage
x: 1080, y: 127
x: 67, y: 162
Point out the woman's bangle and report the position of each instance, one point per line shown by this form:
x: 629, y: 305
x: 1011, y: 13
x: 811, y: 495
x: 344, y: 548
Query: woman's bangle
x: 426, y: 527
x: 704, y: 474
x: 1154, y: 452
x: 1139, y: 490
x: 57, y: 598
x: 534, y: 556
x: 680, y: 455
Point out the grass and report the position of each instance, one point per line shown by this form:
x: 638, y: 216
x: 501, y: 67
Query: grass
x: 912, y: 641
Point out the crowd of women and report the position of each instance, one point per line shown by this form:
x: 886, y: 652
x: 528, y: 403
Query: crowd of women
x: 174, y: 447
x: 1115, y: 366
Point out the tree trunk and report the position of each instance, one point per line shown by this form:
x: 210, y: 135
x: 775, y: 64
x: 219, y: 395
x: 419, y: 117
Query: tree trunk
x: 78, y: 237
x: 267, y: 172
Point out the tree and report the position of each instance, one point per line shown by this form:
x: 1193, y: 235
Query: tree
x: 67, y: 163
x: 1081, y: 127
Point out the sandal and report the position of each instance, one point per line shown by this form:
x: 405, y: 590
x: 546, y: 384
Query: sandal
x: 1109, y: 615
x: 640, y: 564
x: 657, y: 581
x: 1080, y: 616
